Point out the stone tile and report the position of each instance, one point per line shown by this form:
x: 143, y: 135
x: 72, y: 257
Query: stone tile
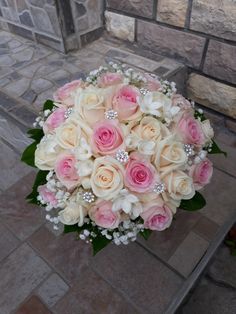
x: 188, y: 254
x: 86, y: 298
x: 22, y: 218
x: 209, y: 298
x: 231, y: 125
x: 8, y: 242
x: 26, y: 116
x: 6, y: 102
x: 52, y: 290
x: 23, y: 55
x: 14, y: 43
x: 4, y: 81
x: 41, y: 98
x: 68, y: 255
x: 20, y: 31
x: 141, y: 8
x: 11, y: 168
x: 6, y: 61
x: 139, y: 275
x: 40, y: 85
x: 29, y: 96
x: 220, y: 196
x: 206, y: 228
x: 186, y: 47
x: 33, y: 305
x: 41, y: 20
x: 17, y: 88
x: 164, y: 243
x: 20, y: 273
x: 223, y: 267
x: 172, y: 12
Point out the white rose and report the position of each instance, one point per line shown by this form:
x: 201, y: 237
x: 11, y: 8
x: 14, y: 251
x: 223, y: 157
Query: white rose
x: 83, y: 151
x: 68, y: 134
x: 179, y: 185
x: 207, y: 130
x: 131, y: 142
x: 107, y: 177
x: 74, y: 213
x: 146, y: 147
x: 46, y: 153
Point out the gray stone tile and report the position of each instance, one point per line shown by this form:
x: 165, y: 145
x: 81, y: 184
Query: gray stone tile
x: 23, y: 55
x: 22, y: 218
x: 48, y: 94
x: 206, y: 228
x: 8, y: 242
x: 33, y: 305
x: 17, y: 88
x: 39, y: 85
x: 20, y: 274
x: 85, y: 297
x: 52, y: 290
x: 11, y: 167
x: 26, y: 116
x: 188, y: 254
x: 6, y: 102
x: 139, y: 275
x: 6, y: 61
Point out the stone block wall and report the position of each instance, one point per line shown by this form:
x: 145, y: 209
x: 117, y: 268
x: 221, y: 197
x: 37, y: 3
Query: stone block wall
x: 61, y: 24
x: 199, y: 33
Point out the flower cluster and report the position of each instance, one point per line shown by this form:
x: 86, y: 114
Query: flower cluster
x: 122, y: 150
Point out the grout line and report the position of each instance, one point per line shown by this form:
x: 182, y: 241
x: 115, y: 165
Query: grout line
x: 188, y: 14
x: 204, y: 53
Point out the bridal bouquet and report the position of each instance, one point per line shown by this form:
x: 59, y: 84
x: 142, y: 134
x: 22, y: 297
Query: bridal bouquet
x: 118, y: 154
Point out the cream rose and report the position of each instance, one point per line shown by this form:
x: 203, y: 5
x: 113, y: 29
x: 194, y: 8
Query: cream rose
x: 207, y: 131
x: 179, y: 185
x: 68, y: 134
x: 47, y: 152
x: 107, y: 178
x: 74, y: 213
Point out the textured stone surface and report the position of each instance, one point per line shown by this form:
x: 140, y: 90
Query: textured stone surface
x: 173, y: 43
x: 142, y: 282
x: 220, y: 61
x: 85, y: 297
x: 206, y: 228
x: 120, y: 26
x: 172, y: 11
x: 215, y: 17
x: 20, y: 273
x: 138, y: 7
x: 52, y: 290
x: 215, y: 95
x: 231, y: 125
x: 184, y: 262
x: 41, y: 20
x: 8, y: 242
x: 33, y: 305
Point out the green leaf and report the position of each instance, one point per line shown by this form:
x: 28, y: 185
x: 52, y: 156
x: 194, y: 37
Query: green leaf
x: 146, y: 233
x: 215, y: 149
x: 36, y: 134
x: 40, y: 179
x: 48, y: 105
x: 99, y: 243
x: 230, y: 243
x: 72, y: 228
x: 28, y: 154
x: 197, y: 114
x: 195, y: 203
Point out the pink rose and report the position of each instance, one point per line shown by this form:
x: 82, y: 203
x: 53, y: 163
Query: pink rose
x: 201, y: 173
x: 190, y: 130
x: 125, y: 103
x: 180, y: 101
x: 56, y: 118
x: 109, y: 78
x: 47, y: 196
x: 101, y: 213
x: 140, y: 175
x: 152, y: 83
x: 157, y: 217
x: 66, y: 171
x: 107, y: 137
x: 64, y: 93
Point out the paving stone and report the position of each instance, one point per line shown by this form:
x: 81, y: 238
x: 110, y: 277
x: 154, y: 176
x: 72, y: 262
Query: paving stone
x: 40, y: 85
x: 52, y: 290
x: 165, y: 243
x: 33, y: 305
x: 188, y: 254
x: 20, y: 273
x: 52, y: 13
x: 6, y: 61
x: 4, y: 37
x: 186, y: 47
x: 22, y: 218
x: 24, y: 115
x: 211, y: 299
x: 14, y: 43
x: 85, y: 298
x: 21, y: 31
x: 6, y: 102
x: 40, y: 100
x: 220, y: 197
x: 23, y: 55
x: 172, y: 11
x: 4, y: 81
x: 29, y: 96
x: 11, y: 169
x: 8, y: 242
x: 206, y: 228
x: 69, y: 256
x: 54, y: 43
x: 17, y: 88
x: 127, y: 268
x: 57, y: 75
x: 26, y: 19
x: 141, y: 8
x: 230, y: 124
x: 41, y: 20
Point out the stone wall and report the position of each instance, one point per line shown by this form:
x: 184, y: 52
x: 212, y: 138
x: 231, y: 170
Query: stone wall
x: 199, y: 33
x: 61, y: 24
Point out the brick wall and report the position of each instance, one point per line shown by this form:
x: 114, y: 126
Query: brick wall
x: 199, y: 33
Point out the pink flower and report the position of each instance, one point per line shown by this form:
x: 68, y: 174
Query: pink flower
x: 56, y: 118
x: 201, y: 173
x: 152, y: 84
x: 109, y: 78
x: 64, y: 93
x: 47, y: 195
x: 180, y: 101
x: 157, y: 217
x: 66, y: 171
x: 107, y: 137
x: 140, y: 175
x: 190, y: 130
x: 125, y: 103
x: 101, y: 213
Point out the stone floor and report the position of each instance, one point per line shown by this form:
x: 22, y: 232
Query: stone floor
x: 44, y: 272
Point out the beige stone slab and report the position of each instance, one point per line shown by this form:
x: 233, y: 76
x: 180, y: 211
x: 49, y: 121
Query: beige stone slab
x: 172, y: 12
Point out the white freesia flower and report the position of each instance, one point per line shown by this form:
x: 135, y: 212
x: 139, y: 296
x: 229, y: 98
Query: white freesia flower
x: 83, y: 151
x: 84, y: 168
x: 128, y: 203
x: 131, y: 141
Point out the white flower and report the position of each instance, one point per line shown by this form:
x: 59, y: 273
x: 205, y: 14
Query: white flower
x: 127, y: 202
x: 72, y: 214
x: 85, y: 167
x: 83, y: 151
x: 146, y: 147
